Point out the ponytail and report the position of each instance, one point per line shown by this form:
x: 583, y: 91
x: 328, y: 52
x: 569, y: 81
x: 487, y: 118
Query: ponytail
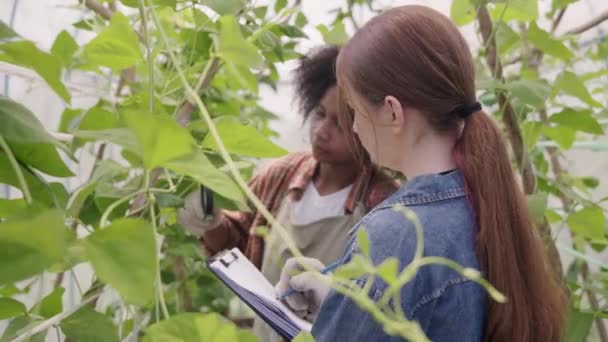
x: 510, y: 251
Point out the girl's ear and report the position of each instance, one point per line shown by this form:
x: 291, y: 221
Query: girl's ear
x: 394, y: 114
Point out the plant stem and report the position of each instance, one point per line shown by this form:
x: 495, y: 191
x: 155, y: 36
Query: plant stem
x: 193, y: 96
x: 17, y: 168
x: 144, y: 27
x: 53, y: 320
x: 159, y: 282
x: 108, y: 211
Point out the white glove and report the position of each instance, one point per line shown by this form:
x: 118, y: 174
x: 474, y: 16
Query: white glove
x: 193, y: 218
x: 310, y: 289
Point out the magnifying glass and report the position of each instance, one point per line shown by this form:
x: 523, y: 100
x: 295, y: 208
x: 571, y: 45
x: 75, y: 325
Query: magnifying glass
x: 207, y: 201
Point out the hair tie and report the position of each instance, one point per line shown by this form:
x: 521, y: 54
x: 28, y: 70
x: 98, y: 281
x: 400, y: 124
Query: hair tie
x: 465, y: 111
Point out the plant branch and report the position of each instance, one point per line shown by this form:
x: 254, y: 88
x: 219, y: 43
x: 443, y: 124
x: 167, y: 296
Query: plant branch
x: 18, y: 172
x: 194, y: 97
x: 183, y: 295
x: 159, y: 281
x: 146, y: 38
x: 54, y: 320
x: 509, y: 116
x: 567, y: 204
x: 558, y: 19
x: 511, y: 122
x: 98, y: 8
x: 589, y: 25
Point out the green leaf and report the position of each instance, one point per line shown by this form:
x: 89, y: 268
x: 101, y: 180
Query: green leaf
x: 89, y: 325
x: 562, y: 135
x: 52, y: 304
x: 135, y: 3
x: 531, y: 131
x: 520, y: 10
x: 530, y: 92
x: 304, y: 336
x: 24, y: 53
x: 388, y: 270
x: 69, y: 120
x: 243, y: 140
x: 194, y: 327
x: 98, y: 118
x: 233, y: 47
x: 160, y: 138
x: 30, y: 245
x: 363, y: 241
x: 6, y: 32
x: 116, y: 47
x: 120, y: 136
x: 200, y: 169
x: 547, y: 44
x: 301, y: 20
x: 243, y: 76
x: 292, y: 31
x: 569, y: 83
x: 463, y: 12
x: 579, y: 326
x: 588, y: 222
x: 29, y: 141
x: 557, y: 4
x: 356, y: 268
x: 8, y: 207
x: 337, y: 35
x: 124, y: 256
x: 64, y: 48
x: 20, y: 324
x: 506, y: 38
x: 279, y: 5
x: 577, y: 120
x: 552, y: 216
x: 226, y: 7
x: 10, y: 308
x: 537, y: 203
x: 260, y: 12
x: 38, y: 189
x: 84, y: 24
x: 11, y: 290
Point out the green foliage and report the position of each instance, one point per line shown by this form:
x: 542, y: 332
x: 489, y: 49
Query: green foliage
x: 198, y: 166
x: 29, y: 141
x: 10, y: 308
x: 230, y: 49
x: 196, y: 328
x: 462, y: 12
x: 28, y: 245
x: 124, y: 256
x: 52, y: 304
x: 116, y: 47
x: 243, y: 140
x: 24, y: 53
x: 87, y: 324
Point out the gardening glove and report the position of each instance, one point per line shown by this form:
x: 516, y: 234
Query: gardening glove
x: 194, y: 219
x: 310, y: 289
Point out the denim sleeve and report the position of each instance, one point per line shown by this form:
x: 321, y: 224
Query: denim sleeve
x: 445, y: 304
x: 454, y: 312
x: 341, y: 319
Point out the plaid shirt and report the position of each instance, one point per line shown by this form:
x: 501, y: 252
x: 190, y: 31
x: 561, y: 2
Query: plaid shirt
x: 288, y: 175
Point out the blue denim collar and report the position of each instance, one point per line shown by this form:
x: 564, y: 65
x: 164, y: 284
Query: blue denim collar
x: 427, y: 188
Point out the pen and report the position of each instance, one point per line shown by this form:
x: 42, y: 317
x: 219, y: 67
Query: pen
x: 327, y: 269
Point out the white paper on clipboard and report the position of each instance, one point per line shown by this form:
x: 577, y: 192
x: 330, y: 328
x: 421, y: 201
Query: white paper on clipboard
x: 243, y: 278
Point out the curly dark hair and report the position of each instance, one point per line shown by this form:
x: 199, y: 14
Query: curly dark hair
x: 315, y: 74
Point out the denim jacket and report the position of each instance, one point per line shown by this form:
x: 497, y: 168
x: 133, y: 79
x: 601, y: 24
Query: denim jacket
x: 447, y: 306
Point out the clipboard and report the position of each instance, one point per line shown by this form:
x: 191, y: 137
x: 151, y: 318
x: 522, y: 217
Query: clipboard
x: 250, y: 285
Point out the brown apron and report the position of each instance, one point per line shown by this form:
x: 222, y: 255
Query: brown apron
x: 324, y: 240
